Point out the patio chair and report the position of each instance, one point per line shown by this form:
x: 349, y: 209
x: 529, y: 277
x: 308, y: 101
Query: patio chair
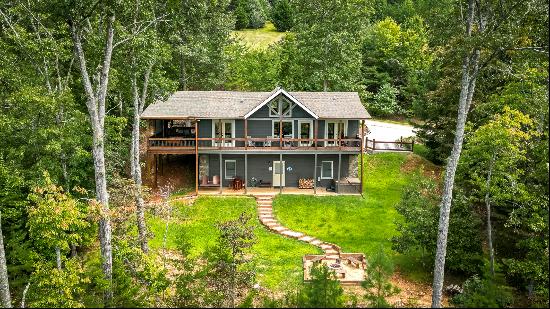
x: 267, y: 143
x: 250, y: 143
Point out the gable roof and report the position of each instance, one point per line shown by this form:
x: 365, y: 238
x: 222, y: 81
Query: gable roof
x: 239, y: 104
x: 281, y: 91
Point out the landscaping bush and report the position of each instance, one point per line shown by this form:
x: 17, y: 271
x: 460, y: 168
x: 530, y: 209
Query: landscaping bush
x: 483, y: 293
x: 384, y: 102
x: 282, y: 15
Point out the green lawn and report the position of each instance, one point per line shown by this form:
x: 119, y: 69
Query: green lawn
x: 356, y: 224
x: 259, y: 38
x: 278, y: 259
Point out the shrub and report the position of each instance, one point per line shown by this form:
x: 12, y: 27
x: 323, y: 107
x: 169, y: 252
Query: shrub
x: 384, y: 102
x: 282, y: 15
x: 483, y: 293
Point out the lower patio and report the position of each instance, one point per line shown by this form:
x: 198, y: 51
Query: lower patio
x: 269, y: 191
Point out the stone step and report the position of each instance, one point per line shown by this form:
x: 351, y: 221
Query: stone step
x: 306, y: 238
x: 332, y: 257
x: 279, y: 228
x: 292, y: 234
x: 316, y: 242
x: 331, y: 252
x: 265, y: 212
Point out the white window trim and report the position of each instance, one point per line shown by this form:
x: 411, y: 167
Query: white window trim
x: 214, y: 121
x: 336, y: 121
x: 225, y: 169
x: 274, y: 95
x: 310, y: 131
x: 331, y: 170
x: 277, y: 121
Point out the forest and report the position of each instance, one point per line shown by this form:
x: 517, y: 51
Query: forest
x: 78, y: 228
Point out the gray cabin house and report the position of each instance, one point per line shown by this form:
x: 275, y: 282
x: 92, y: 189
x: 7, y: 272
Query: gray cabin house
x: 274, y: 140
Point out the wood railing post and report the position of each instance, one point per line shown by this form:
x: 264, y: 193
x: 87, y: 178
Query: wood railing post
x: 246, y: 134
x: 412, y: 145
x: 373, y: 144
x: 196, y: 157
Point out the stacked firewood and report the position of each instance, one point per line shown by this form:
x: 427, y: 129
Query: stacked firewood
x: 305, y: 183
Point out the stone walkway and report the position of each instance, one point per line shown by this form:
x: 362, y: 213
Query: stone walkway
x: 265, y: 214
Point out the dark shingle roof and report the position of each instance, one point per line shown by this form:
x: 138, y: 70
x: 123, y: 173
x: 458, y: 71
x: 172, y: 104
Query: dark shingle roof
x: 235, y: 104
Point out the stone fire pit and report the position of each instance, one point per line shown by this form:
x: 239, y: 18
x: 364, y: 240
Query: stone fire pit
x: 349, y: 267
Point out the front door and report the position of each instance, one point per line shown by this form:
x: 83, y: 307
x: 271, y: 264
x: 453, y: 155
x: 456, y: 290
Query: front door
x: 225, y: 129
x: 335, y: 130
x: 278, y: 169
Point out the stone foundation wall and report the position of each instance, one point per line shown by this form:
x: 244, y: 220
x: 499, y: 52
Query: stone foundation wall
x: 204, y: 166
x: 353, y: 166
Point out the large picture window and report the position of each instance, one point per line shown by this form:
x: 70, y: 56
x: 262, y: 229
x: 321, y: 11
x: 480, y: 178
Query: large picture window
x: 327, y: 170
x: 230, y: 169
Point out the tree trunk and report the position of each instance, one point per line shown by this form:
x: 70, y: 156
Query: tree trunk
x: 488, y: 208
x: 136, y: 172
x: 58, y: 257
x: 5, y: 297
x: 96, y: 111
x: 469, y: 72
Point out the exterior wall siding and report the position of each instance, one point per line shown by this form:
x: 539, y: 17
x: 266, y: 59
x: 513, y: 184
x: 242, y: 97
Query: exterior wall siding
x: 259, y: 164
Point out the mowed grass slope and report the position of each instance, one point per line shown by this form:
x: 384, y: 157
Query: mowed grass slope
x: 259, y: 38
x: 354, y: 223
x: 278, y: 260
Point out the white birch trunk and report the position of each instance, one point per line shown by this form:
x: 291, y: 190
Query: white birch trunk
x: 469, y: 73
x: 5, y: 297
x: 96, y: 110
x: 136, y: 169
x: 488, y: 208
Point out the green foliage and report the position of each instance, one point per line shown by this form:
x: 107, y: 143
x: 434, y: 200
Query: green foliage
x: 282, y: 15
x: 241, y: 16
x: 418, y: 229
x: 50, y: 287
x: 384, y: 102
x: 397, y: 56
x: 228, y: 270
x: 377, y: 284
x: 57, y: 220
x: 323, y: 291
x: 252, y: 69
x: 483, y: 293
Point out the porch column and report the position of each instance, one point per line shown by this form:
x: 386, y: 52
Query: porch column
x: 245, y: 135
x: 361, y: 153
x: 315, y: 132
x: 245, y: 173
x: 220, y: 142
x: 315, y: 175
x: 221, y: 174
x: 339, y: 168
x: 280, y: 173
x: 196, y: 157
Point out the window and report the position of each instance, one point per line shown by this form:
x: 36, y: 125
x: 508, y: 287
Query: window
x: 326, y: 170
x: 305, y: 131
x: 335, y: 130
x: 225, y: 129
x: 230, y: 169
x: 288, y: 128
x: 286, y: 107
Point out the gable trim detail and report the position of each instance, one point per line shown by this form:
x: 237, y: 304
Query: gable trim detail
x: 288, y: 96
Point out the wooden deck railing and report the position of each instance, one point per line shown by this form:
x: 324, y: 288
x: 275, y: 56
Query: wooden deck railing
x: 255, y: 143
x: 400, y: 145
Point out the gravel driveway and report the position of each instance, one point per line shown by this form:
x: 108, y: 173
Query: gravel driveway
x: 384, y: 131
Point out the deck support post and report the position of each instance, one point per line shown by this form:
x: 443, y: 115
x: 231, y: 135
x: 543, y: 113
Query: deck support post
x: 245, y: 173
x: 221, y: 174
x: 196, y: 157
x: 315, y: 132
x: 155, y: 159
x: 339, y: 168
x: 281, y: 173
x: 315, y: 175
x: 245, y: 134
x: 361, y: 153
